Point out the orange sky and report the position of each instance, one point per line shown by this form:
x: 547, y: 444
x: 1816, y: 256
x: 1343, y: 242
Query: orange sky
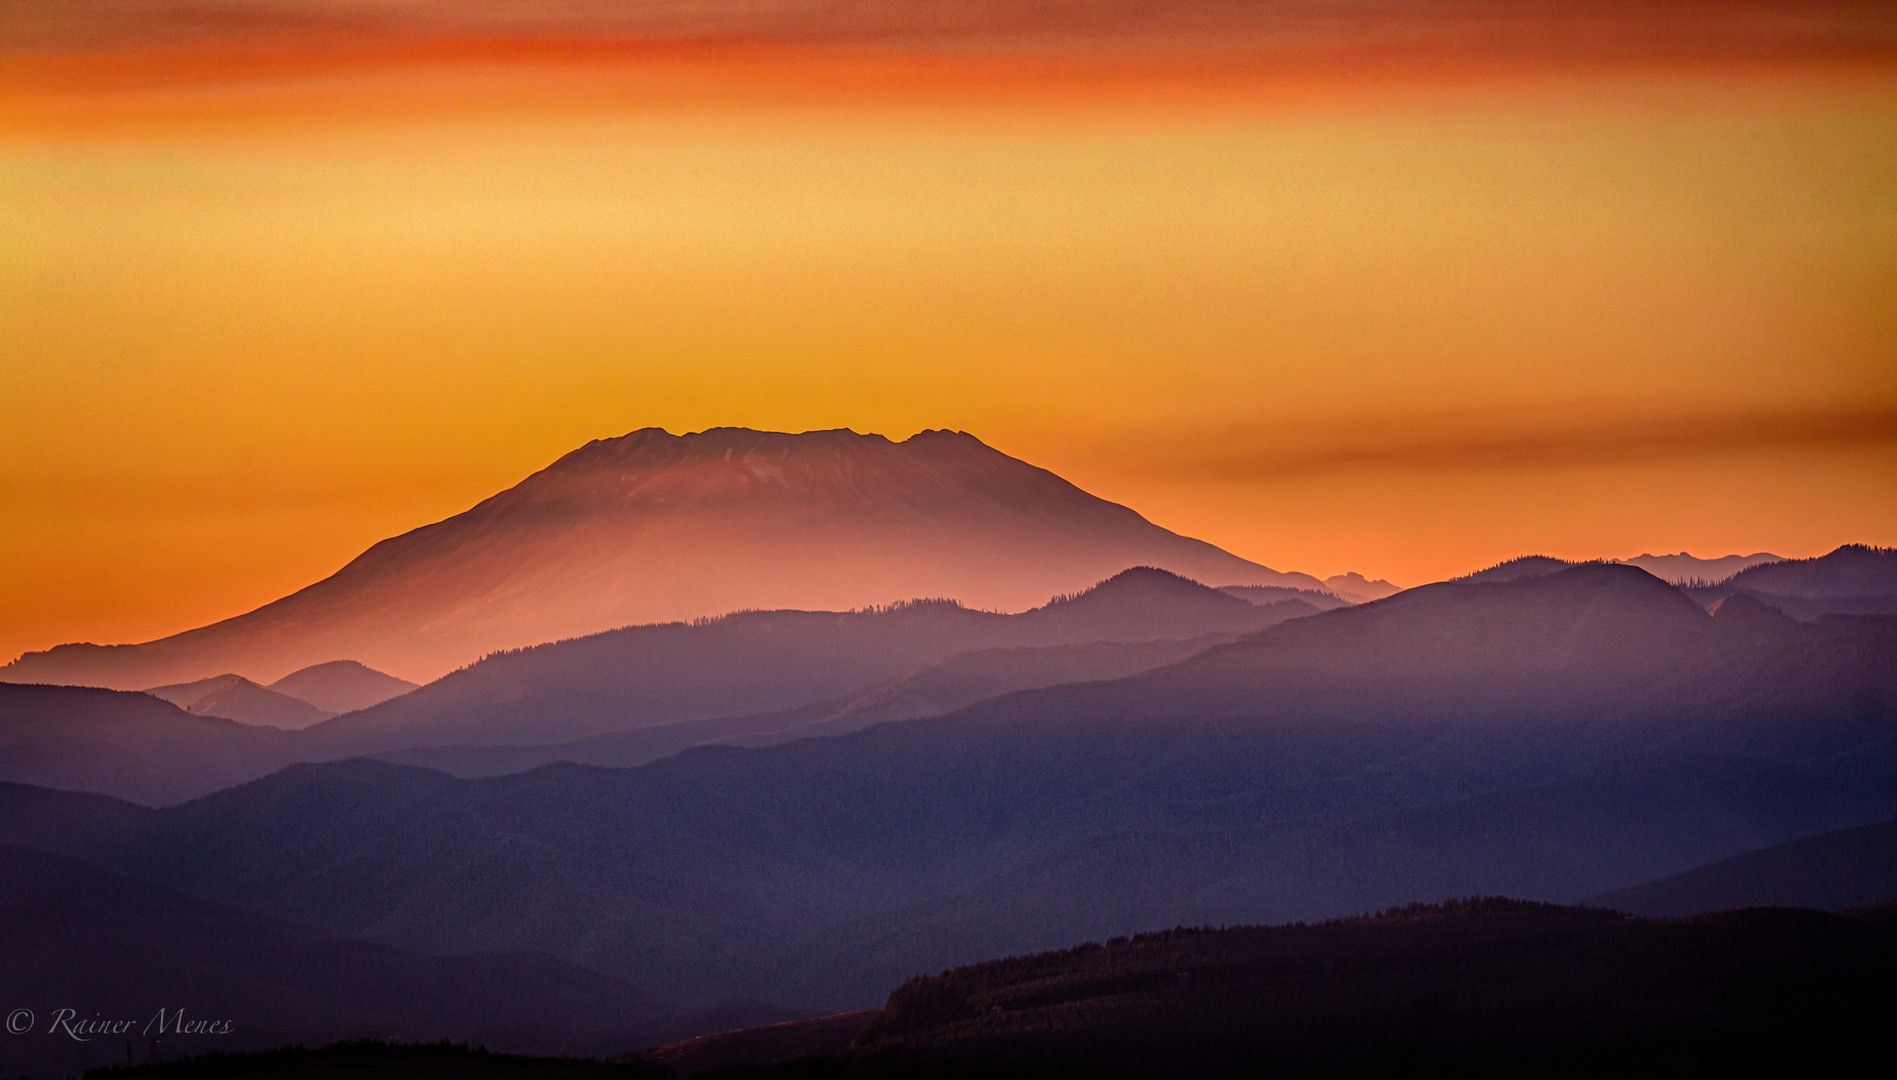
x: 1403, y: 296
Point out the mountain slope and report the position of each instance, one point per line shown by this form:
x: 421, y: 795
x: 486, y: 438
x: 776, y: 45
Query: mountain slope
x: 76, y: 936
x: 1829, y: 871
x: 132, y: 745
x: 341, y: 686
x: 1853, y: 580
x: 653, y: 527
x: 1851, y: 571
x: 1516, y: 569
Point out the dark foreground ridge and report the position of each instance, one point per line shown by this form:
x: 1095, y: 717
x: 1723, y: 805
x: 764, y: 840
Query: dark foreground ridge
x: 1486, y: 987
x: 1473, y: 988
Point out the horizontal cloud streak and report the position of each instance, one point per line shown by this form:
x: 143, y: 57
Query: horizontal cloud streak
x: 1571, y: 27
x: 1494, y: 441
x: 1345, y: 38
x: 101, y: 66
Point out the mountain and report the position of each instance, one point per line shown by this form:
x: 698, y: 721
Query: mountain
x: 758, y: 662
x: 1856, y: 579
x: 1557, y: 736
x: 1853, y: 580
x: 1355, y: 588
x: 132, y: 745
x: 1516, y: 569
x: 1682, y: 568
x: 1677, y: 569
x: 113, y: 948
x: 653, y: 527
x: 1833, y: 870
x: 1853, y: 570
x: 341, y: 686
x: 234, y: 697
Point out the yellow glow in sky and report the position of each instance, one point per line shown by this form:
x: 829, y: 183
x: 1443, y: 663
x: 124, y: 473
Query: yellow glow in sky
x: 1405, y: 337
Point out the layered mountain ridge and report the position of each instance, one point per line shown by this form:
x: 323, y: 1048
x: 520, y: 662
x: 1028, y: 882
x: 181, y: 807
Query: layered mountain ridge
x: 1551, y: 738
x: 628, y: 695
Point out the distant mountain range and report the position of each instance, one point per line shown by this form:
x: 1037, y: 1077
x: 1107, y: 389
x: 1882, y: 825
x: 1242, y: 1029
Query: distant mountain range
x: 625, y: 696
x: 768, y: 661
x: 234, y: 697
x: 1854, y: 579
x: 1552, y: 738
x: 295, y: 701
x: 653, y: 527
x: 1682, y: 568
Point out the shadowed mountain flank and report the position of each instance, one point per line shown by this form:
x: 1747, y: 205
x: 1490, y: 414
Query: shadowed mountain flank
x: 1833, y: 870
x: 131, y: 745
x: 653, y: 527
x: 125, y: 949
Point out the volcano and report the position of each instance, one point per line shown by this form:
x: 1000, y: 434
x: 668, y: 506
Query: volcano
x: 654, y: 527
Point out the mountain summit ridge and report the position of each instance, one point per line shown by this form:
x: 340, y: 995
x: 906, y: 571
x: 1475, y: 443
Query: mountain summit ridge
x: 652, y: 527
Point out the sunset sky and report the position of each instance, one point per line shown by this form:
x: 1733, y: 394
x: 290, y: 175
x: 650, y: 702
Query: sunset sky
x: 1397, y: 288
